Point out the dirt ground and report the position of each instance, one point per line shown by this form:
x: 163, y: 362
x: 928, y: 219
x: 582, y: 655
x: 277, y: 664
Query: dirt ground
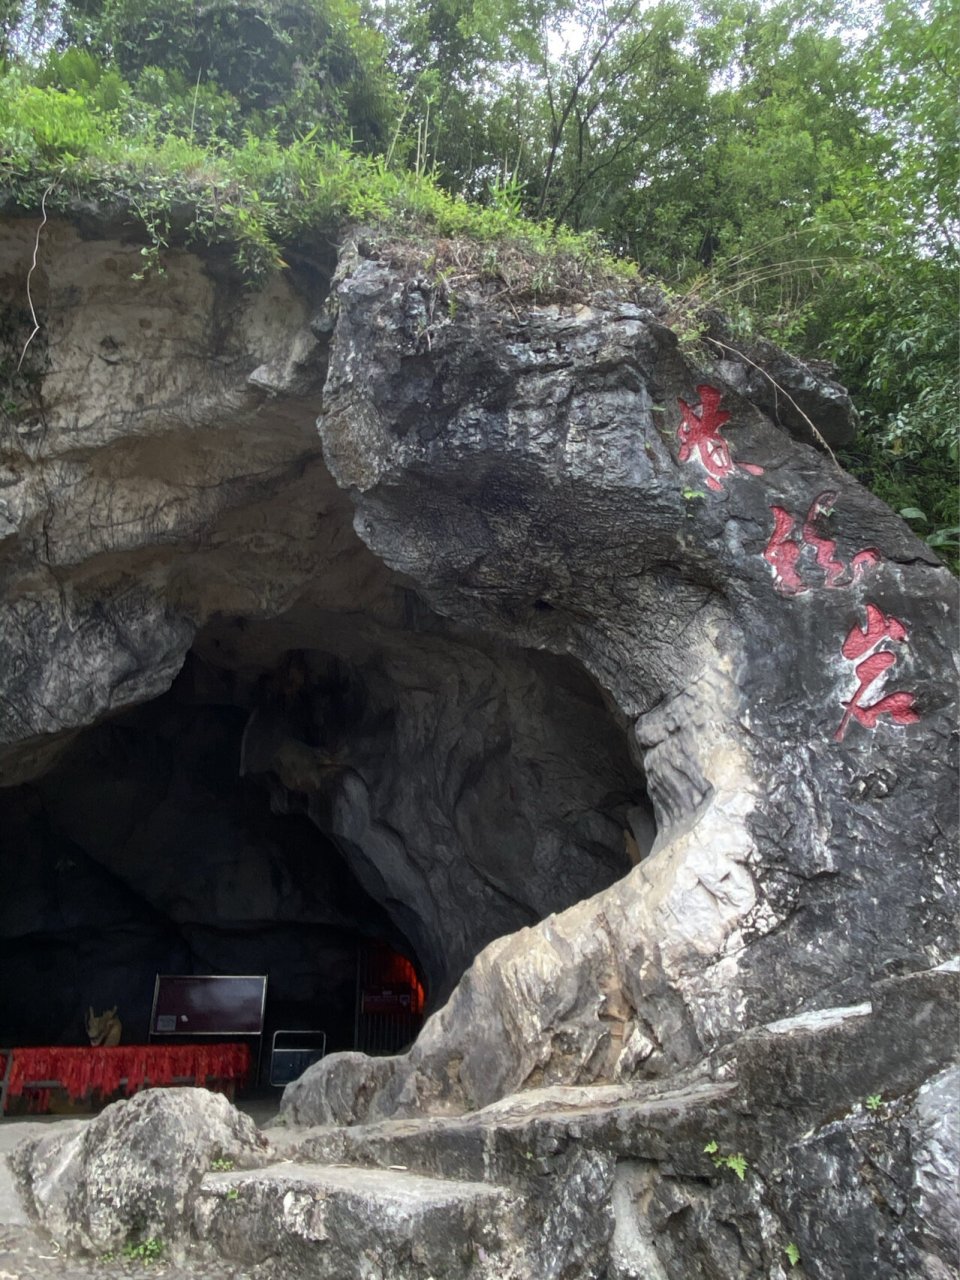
x: 25, y: 1255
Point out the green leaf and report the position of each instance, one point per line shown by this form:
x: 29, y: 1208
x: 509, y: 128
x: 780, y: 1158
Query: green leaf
x: 793, y: 1253
x: 738, y: 1164
x: 711, y: 1148
x: 912, y: 513
x: 944, y: 538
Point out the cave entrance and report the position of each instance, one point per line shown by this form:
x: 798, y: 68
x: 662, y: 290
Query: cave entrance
x: 355, y: 818
x: 145, y: 851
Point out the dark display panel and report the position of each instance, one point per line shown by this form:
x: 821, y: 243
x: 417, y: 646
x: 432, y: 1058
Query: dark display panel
x: 192, y: 1005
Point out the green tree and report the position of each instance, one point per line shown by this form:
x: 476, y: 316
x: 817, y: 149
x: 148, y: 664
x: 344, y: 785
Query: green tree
x: 289, y: 65
x: 888, y: 315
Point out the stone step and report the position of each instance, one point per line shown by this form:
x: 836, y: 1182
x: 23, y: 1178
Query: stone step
x: 331, y: 1222
x: 503, y: 1144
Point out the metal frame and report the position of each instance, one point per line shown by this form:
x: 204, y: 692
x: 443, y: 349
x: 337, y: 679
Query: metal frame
x: 5, y: 1082
x: 294, y: 1031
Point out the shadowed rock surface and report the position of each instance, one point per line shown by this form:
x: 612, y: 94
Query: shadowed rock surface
x: 554, y: 637
x: 168, y: 511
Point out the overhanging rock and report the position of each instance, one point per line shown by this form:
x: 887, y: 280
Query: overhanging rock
x: 778, y: 640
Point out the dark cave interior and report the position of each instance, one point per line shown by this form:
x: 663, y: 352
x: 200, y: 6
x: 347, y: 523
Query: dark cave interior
x: 293, y: 812
x: 144, y: 851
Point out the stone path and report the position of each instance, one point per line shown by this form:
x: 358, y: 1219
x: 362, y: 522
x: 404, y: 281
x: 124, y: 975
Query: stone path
x: 24, y: 1256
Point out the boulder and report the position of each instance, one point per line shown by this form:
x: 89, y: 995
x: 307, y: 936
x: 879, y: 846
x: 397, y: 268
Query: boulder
x: 132, y: 1174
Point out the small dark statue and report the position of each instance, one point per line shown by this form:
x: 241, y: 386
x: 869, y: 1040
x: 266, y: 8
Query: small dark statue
x: 105, y: 1028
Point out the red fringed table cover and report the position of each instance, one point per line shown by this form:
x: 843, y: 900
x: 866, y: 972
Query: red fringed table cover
x: 82, y: 1071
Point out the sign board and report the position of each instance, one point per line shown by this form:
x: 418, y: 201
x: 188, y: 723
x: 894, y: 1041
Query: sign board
x: 208, y: 1005
x: 392, y: 997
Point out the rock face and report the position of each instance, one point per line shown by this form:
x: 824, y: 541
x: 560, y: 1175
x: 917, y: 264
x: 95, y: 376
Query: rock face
x: 303, y: 1219
x: 164, y: 492
x: 613, y: 667
x: 775, y: 636
x: 769, y: 1150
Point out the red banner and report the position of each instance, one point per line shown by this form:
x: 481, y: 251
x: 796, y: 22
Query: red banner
x: 83, y: 1071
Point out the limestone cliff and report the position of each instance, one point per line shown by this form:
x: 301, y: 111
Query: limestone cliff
x: 644, y: 675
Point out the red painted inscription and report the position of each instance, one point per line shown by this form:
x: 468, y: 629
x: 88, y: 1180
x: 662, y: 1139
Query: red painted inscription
x: 783, y: 551
x: 701, y: 431
x: 861, y: 641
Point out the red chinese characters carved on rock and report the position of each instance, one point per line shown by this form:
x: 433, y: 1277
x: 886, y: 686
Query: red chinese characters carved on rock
x: 701, y: 431
x: 900, y: 707
x: 783, y: 551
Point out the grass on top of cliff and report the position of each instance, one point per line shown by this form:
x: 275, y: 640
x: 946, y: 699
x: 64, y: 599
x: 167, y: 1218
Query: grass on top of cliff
x: 64, y: 150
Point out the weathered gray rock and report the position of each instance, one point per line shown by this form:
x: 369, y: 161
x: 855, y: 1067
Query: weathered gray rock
x: 535, y: 493
x: 361, y: 1224
x: 840, y: 1121
x: 165, y: 489
x: 935, y: 1158
x: 801, y: 396
x: 132, y: 1174
x: 527, y: 473
x: 630, y: 1181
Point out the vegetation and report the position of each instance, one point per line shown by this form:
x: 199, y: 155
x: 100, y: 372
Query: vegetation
x: 792, y: 162
x: 145, y: 1251
x: 736, y: 1162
